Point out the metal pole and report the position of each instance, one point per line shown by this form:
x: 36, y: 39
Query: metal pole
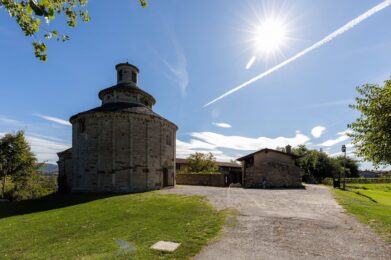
x: 344, y: 167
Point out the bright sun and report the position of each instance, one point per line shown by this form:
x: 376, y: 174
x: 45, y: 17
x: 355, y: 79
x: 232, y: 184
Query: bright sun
x: 270, y: 36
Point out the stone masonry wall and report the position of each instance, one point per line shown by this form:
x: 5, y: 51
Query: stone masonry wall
x: 276, y: 169
x: 122, y: 152
x: 216, y: 180
x: 65, y: 168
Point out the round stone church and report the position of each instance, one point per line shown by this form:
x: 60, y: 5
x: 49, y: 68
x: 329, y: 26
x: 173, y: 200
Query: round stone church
x: 122, y: 145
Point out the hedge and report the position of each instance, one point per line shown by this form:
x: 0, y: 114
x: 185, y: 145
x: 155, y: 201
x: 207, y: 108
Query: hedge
x: 329, y: 181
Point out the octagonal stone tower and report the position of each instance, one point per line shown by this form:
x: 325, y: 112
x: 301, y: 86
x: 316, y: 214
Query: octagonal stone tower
x: 122, y: 145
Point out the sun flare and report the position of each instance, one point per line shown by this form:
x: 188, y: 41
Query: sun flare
x: 270, y: 36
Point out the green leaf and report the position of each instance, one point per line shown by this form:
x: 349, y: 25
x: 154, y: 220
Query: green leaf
x: 29, y: 10
x: 144, y: 3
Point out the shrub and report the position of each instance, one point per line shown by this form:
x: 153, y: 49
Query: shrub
x: 329, y: 181
x: 30, y: 187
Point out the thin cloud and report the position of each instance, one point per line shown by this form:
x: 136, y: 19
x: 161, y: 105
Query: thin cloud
x: 318, y: 44
x: 317, y: 131
x: 342, y: 136
x: 184, y: 149
x: 8, y: 121
x: 46, y: 137
x: 219, y: 155
x: 176, y: 68
x: 54, y: 119
x: 222, y: 125
x: 246, y: 143
x: 219, y: 144
x: 330, y: 104
x: 45, y: 149
x: 226, y: 148
x: 194, y: 144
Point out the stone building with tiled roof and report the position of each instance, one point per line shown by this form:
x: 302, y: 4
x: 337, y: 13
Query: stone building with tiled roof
x: 268, y: 168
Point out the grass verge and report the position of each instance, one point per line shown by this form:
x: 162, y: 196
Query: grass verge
x: 371, y: 203
x: 117, y: 227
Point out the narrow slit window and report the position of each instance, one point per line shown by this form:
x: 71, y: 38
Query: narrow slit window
x: 82, y: 126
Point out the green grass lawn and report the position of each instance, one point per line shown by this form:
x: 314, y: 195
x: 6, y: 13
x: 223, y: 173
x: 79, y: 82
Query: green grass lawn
x: 371, y: 203
x: 99, y: 227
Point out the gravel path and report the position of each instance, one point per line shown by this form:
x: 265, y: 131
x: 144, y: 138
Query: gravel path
x: 287, y: 224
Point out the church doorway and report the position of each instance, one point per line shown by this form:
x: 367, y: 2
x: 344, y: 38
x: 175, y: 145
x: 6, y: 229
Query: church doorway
x: 165, y: 177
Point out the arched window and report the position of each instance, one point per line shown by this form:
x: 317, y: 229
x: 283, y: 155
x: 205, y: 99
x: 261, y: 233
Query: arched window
x: 134, y: 77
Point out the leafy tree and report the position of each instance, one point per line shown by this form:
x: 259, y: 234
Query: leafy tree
x: 319, y: 165
x: 315, y: 163
x: 300, y: 150
x: 350, y: 165
x: 371, y: 133
x: 32, y: 186
x: 28, y: 15
x: 200, y: 162
x: 16, y: 159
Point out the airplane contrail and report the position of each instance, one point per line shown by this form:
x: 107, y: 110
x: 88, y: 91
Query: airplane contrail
x: 316, y: 45
x: 250, y: 62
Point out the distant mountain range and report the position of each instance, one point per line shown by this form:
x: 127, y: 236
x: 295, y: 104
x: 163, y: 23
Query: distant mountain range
x: 48, y: 168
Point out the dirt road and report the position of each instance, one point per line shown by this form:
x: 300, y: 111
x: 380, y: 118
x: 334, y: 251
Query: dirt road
x: 287, y: 224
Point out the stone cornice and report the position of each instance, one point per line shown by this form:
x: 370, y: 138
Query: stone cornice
x: 126, y: 88
x: 123, y: 114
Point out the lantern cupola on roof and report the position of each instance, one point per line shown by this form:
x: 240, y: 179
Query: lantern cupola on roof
x: 127, y: 74
x: 126, y: 90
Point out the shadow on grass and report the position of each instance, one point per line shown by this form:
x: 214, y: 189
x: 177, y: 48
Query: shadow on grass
x: 52, y: 201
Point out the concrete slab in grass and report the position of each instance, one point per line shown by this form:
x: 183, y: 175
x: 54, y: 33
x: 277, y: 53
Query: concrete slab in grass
x: 165, y: 246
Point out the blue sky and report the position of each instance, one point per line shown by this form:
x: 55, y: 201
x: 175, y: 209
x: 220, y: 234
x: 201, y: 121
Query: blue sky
x: 189, y: 53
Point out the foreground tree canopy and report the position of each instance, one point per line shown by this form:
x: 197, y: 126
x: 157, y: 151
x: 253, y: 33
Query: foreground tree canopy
x: 28, y: 15
x: 371, y: 132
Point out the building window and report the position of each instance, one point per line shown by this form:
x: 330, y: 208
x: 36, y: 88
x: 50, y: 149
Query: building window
x: 249, y: 162
x: 119, y: 74
x: 134, y: 77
